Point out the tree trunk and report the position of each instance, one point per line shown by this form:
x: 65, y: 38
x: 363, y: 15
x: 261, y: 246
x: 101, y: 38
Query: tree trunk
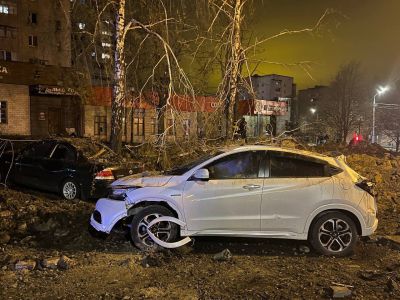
x: 118, y: 96
x: 234, y: 69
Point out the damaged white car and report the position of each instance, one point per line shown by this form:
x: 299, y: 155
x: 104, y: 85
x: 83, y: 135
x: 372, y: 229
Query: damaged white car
x: 251, y: 191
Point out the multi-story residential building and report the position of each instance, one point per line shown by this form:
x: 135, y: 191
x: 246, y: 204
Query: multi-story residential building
x: 309, y: 102
x: 35, y: 55
x: 270, y: 91
x: 36, y: 31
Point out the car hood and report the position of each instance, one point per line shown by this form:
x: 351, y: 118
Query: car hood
x: 137, y: 181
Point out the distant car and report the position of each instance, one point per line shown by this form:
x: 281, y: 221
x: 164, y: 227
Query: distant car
x: 57, y: 166
x: 253, y: 191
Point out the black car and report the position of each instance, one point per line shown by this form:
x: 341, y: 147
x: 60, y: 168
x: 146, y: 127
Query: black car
x: 58, y: 166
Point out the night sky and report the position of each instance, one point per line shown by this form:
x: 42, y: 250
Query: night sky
x: 368, y: 31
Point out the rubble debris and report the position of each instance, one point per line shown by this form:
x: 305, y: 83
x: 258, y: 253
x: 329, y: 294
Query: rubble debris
x: 65, y: 263
x: 224, y: 255
x: 151, y: 260
x: 4, y: 238
x: 25, y: 265
x: 304, y: 249
x: 393, y: 285
x: 391, y: 240
x: 5, y: 214
x: 371, y: 275
x: 339, y: 291
x: 44, y: 227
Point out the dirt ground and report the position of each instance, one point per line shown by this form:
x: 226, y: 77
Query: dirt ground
x: 36, y: 229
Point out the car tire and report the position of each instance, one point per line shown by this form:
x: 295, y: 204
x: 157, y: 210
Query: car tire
x: 334, y: 234
x: 70, y: 189
x: 165, y: 231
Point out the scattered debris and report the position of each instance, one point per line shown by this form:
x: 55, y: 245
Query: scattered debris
x: 4, y: 238
x: 25, y: 265
x: 224, y: 255
x: 304, y: 249
x: 391, y: 240
x: 371, y: 275
x: 393, y: 285
x: 339, y: 291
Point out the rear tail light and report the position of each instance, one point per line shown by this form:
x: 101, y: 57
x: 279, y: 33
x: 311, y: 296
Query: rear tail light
x: 366, y: 186
x: 105, y: 174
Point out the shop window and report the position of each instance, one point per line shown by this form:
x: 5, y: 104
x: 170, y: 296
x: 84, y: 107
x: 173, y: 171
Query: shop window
x: 3, y: 112
x: 100, y: 125
x: 33, y: 42
x: 170, y: 127
x: 138, y: 122
x: 153, y: 124
x: 186, y: 128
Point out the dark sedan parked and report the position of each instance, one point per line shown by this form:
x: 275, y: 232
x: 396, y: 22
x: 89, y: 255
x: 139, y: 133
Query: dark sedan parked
x: 57, y: 166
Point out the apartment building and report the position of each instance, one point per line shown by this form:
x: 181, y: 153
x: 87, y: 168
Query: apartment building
x: 272, y: 95
x: 36, y: 94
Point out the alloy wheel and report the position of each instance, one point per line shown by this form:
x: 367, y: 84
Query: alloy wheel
x: 69, y: 190
x: 335, y: 235
x: 161, y: 230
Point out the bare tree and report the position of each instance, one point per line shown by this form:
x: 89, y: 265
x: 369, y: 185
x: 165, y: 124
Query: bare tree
x: 389, y: 125
x: 342, y: 111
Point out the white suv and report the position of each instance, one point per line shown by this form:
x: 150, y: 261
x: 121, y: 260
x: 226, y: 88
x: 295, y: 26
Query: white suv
x: 252, y: 191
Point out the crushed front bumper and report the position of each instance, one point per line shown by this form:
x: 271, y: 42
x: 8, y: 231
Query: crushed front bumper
x: 107, y: 213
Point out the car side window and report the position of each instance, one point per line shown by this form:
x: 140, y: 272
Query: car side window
x: 63, y: 152
x: 292, y: 166
x: 240, y: 165
x: 38, y: 150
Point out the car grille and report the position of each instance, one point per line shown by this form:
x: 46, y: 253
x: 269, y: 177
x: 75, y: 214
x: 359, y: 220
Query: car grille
x: 97, y: 216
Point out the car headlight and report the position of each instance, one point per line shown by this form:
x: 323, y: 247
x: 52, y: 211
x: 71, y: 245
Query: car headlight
x: 119, y: 193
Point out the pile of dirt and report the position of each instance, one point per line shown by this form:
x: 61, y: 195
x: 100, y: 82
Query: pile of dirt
x: 385, y: 173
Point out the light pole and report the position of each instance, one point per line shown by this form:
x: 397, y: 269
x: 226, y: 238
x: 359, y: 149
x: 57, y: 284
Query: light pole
x: 380, y: 91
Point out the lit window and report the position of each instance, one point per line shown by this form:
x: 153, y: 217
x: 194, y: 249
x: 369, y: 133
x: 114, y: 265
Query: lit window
x: 106, y: 44
x: 81, y: 25
x: 105, y: 56
x: 4, y: 9
x: 3, y: 112
x: 106, y: 33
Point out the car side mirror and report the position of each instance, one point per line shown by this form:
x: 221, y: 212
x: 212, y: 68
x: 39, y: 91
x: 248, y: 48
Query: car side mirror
x: 201, y: 174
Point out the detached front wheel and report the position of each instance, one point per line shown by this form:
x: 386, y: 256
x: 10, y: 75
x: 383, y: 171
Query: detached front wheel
x: 334, y: 234
x: 165, y: 231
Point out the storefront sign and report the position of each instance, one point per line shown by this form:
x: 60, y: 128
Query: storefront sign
x: 266, y: 107
x: 3, y: 70
x: 53, y: 90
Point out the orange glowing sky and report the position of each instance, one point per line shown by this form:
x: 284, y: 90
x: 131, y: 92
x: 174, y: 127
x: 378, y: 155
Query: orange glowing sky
x: 369, y: 33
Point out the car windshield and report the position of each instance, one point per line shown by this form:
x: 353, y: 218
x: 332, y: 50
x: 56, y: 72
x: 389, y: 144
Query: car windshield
x: 183, y: 169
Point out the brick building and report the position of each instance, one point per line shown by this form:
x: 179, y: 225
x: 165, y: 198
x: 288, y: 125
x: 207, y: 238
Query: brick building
x: 184, y: 118
x: 35, y: 59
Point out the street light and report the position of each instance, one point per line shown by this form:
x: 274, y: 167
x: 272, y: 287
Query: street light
x: 379, y: 92
x: 313, y: 110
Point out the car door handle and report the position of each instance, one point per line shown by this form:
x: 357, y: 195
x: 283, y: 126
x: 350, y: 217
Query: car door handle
x: 251, y: 187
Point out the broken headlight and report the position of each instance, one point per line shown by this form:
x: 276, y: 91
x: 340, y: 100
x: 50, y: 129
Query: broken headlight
x: 119, y: 193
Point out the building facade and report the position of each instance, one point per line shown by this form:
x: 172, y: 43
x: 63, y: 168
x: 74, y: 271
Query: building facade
x: 309, y: 103
x: 35, y: 31
x: 36, y: 97
x: 278, y: 92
